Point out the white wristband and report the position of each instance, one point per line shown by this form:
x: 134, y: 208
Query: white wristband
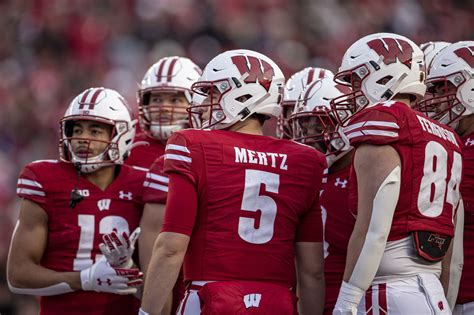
x: 349, y: 297
x: 85, y: 282
x: 142, y: 312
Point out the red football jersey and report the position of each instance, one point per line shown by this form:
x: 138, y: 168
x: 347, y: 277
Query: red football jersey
x: 338, y: 225
x: 431, y: 165
x: 145, y: 154
x: 156, y: 184
x: 75, y: 234
x: 257, y: 196
x: 466, y: 289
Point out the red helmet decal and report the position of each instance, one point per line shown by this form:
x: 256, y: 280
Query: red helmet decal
x: 89, y: 98
x: 466, y: 54
x: 257, y: 69
x: 392, y: 49
x: 160, y: 74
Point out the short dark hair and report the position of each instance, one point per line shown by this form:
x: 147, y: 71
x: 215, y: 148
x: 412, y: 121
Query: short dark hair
x: 260, y: 117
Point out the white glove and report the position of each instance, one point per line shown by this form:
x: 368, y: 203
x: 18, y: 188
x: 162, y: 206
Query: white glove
x: 119, y: 249
x: 101, y: 277
x: 348, y: 299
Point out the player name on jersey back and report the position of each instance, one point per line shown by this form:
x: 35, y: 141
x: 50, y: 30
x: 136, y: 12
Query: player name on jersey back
x: 274, y: 160
x: 437, y: 130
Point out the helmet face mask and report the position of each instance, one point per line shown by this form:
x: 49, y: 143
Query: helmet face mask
x: 450, y: 84
x: 378, y: 67
x: 209, y: 113
x: 316, y: 129
x: 314, y: 122
x: 96, y: 108
x: 164, y: 113
x: 236, y: 84
x: 170, y: 76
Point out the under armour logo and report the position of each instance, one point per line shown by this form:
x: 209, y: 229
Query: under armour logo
x: 338, y: 182
x: 252, y: 300
x: 104, y: 204
x: 469, y: 142
x: 100, y: 282
x: 123, y: 195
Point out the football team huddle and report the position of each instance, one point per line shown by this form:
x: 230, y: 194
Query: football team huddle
x: 355, y: 207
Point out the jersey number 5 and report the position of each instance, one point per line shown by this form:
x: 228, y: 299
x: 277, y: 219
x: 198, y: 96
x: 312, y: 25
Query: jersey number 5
x: 257, y: 227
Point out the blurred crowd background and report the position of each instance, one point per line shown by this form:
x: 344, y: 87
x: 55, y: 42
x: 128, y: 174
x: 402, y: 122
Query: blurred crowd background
x: 50, y: 50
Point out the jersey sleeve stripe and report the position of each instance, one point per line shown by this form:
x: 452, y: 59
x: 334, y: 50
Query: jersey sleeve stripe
x: 176, y: 147
x: 362, y: 133
x: 371, y: 123
x: 178, y: 157
x: 156, y: 186
x: 158, y: 178
x: 28, y: 182
x: 26, y: 191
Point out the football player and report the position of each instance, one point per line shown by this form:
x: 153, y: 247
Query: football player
x: 451, y: 83
x: 68, y: 208
x: 293, y: 88
x: 163, y: 96
x: 313, y: 123
x: 408, y: 169
x: 252, y: 202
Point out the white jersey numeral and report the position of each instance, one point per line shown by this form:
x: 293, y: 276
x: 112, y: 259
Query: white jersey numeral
x: 265, y: 205
x: 434, y: 191
x: 86, y: 222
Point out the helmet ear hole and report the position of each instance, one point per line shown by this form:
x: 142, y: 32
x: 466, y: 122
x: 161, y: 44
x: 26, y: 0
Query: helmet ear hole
x: 146, y: 98
x: 69, y: 127
x: 384, y: 80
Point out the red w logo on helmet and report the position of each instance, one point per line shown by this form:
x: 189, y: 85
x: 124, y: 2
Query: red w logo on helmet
x: 466, y: 54
x: 392, y: 49
x: 257, y: 69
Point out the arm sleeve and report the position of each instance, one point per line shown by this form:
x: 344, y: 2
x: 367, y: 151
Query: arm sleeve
x: 29, y: 186
x: 310, y: 228
x: 457, y: 258
x: 155, y: 187
x: 181, y: 207
x: 384, y: 205
x: 373, y: 126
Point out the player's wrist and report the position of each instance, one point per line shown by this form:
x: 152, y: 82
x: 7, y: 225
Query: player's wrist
x: 142, y: 312
x: 349, y: 297
x: 86, y: 283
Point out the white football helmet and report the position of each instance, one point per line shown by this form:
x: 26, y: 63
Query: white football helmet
x: 378, y: 67
x: 451, y: 84
x: 293, y: 88
x: 105, y: 106
x: 237, y: 84
x: 313, y: 120
x: 168, y: 75
x: 430, y: 49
